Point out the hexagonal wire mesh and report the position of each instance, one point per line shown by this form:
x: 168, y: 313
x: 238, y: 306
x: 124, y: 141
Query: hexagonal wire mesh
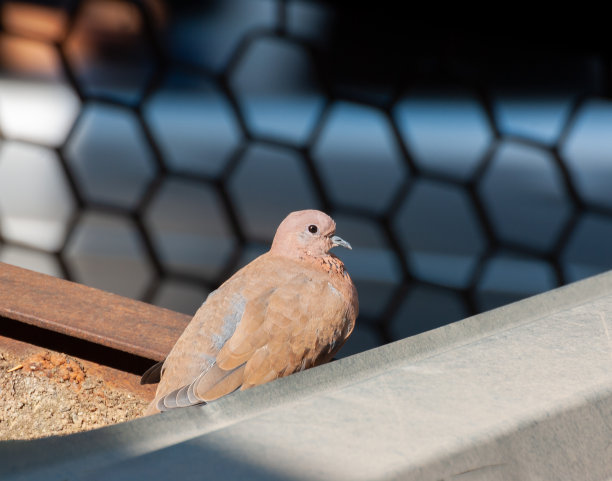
x: 151, y: 149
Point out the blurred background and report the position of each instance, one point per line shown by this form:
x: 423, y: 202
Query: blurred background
x: 151, y: 148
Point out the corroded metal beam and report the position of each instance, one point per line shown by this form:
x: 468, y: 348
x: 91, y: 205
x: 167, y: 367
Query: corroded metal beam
x: 89, y: 314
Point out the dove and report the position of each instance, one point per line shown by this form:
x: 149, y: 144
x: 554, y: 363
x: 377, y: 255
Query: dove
x: 290, y: 309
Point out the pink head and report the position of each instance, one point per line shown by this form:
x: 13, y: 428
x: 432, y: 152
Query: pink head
x: 306, y: 232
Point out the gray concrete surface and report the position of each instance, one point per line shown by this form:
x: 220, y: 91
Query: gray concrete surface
x: 522, y: 392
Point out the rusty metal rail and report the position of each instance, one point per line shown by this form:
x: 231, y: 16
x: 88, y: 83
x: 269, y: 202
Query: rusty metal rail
x: 97, y: 323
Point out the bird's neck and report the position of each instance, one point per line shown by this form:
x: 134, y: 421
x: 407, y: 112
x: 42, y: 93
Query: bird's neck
x: 328, y: 263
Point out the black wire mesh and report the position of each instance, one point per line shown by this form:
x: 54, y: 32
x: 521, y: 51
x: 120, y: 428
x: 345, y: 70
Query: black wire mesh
x: 152, y: 148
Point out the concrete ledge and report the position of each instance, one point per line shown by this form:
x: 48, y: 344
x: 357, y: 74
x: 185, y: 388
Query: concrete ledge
x: 521, y: 392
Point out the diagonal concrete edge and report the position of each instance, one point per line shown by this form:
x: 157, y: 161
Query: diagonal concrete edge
x: 464, y: 401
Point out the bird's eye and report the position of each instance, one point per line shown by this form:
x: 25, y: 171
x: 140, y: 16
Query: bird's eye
x: 313, y: 229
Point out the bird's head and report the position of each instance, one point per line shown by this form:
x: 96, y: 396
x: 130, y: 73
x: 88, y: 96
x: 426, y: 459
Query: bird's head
x: 309, y: 232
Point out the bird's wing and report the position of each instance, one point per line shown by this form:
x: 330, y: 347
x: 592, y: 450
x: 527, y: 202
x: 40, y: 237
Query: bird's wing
x: 286, y: 329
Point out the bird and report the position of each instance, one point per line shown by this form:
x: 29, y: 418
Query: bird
x: 290, y: 309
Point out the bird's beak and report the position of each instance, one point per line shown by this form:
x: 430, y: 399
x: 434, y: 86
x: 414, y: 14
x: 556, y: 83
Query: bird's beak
x: 338, y: 241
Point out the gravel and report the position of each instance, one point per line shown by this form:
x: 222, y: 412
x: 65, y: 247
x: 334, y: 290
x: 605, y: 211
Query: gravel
x: 50, y: 394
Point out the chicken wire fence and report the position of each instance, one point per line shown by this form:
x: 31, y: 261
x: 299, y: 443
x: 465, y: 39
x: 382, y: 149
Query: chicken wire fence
x: 151, y: 149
